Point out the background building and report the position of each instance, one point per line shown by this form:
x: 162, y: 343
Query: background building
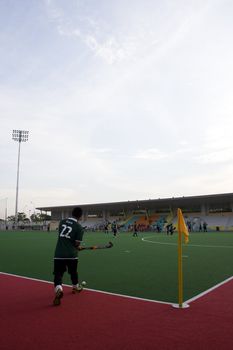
x: 216, y: 210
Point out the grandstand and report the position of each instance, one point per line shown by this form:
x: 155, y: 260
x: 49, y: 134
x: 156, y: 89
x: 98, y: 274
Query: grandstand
x: 215, y: 210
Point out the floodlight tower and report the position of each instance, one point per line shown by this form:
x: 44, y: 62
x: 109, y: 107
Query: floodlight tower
x: 19, y: 136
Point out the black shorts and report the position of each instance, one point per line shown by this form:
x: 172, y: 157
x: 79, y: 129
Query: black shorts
x: 63, y: 265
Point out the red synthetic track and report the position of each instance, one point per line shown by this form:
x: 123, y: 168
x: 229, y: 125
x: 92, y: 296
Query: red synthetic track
x: 96, y: 321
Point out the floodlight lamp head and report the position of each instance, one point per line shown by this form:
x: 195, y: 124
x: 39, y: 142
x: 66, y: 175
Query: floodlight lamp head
x: 20, y: 135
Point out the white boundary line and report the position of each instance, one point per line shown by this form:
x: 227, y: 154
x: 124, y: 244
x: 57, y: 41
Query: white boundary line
x: 198, y: 296
x: 92, y: 290
x: 195, y: 245
x: 209, y: 290
x: 144, y: 239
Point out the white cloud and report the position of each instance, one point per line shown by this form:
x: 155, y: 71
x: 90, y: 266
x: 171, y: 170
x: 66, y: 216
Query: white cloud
x: 140, y: 38
x: 218, y: 141
x: 222, y: 156
x: 116, y: 95
x: 151, y: 154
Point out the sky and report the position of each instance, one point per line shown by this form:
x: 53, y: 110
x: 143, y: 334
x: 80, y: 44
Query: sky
x: 123, y: 100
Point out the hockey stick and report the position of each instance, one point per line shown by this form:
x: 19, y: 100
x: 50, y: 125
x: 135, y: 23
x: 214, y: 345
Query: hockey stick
x: 109, y: 245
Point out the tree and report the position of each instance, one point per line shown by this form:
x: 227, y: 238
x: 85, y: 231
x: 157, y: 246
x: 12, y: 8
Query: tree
x: 40, y: 217
x: 35, y: 217
x: 22, y: 217
x: 11, y: 218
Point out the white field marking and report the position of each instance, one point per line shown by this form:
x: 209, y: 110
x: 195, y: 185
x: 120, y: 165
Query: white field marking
x: 187, y: 245
x: 185, y: 256
x: 20, y: 238
x: 91, y: 290
x: 209, y: 290
x: 127, y: 251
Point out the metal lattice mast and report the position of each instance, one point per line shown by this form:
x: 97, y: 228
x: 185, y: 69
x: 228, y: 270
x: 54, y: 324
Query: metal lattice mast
x: 19, y: 136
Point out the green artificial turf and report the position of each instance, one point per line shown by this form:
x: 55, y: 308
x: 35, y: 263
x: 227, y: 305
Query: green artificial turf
x: 146, y: 269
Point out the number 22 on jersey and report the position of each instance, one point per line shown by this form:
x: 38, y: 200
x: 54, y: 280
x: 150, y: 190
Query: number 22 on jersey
x: 65, y: 232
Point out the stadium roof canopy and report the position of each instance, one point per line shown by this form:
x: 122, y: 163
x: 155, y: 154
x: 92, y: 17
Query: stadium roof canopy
x: 213, y: 202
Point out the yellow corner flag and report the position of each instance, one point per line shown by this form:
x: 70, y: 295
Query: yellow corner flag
x: 182, y: 228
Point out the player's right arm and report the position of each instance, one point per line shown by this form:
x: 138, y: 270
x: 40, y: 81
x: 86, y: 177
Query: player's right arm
x: 79, y: 236
x: 77, y: 244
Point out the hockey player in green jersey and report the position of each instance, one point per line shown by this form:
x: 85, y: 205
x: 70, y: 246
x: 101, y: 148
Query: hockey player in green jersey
x: 70, y: 235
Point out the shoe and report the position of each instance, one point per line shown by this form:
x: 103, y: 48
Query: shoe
x: 77, y: 289
x: 58, y: 296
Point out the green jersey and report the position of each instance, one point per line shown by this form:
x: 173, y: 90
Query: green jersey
x: 70, y: 232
